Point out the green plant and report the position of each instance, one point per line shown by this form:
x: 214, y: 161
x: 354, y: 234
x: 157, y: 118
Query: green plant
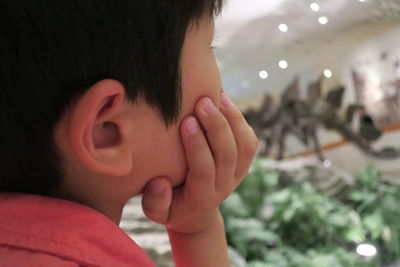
x: 378, y: 204
x: 300, y: 211
x: 271, y: 224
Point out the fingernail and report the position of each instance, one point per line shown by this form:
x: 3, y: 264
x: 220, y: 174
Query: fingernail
x: 157, y: 188
x: 191, y: 126
x: 226, y: 101
x: 209, y: 106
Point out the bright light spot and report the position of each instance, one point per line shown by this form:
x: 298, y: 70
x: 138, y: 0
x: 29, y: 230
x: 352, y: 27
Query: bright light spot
x: 366, y: 250
x: 283, y: 27
x: 361, y: 0
x: 323, y: 20
x: 283, y: 64
x: 327, y: 163
x: 244, y: 84
x: 314, y: 7
x: 328, y: 73
x: 376, y: 94
x: 375, y: 79
x: 263, y: 74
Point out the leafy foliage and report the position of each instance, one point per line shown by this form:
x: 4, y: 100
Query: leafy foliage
x: 378, y: 204
x: 269, y: 224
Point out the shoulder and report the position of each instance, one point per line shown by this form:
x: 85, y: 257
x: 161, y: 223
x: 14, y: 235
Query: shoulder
x: 42, y: 231
x: 12, y: 256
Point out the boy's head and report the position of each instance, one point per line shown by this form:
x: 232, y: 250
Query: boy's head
x: 89, y: 87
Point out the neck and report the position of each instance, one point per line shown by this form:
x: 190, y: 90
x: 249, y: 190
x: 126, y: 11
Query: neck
x: 112, y: 210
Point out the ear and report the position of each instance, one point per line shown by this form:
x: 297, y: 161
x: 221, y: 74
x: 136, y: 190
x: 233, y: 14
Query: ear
x: 98, y: 129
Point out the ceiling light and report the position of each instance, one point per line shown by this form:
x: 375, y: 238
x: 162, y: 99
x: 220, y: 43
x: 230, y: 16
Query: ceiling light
x: 283, y: 64
x: 328, y: 73
x: 263, y: 74
x: 244, y: 84
x: 361, y: 0
x: 314, y: 7
x: 283, y: 27
x: 327, y: 163
x: 366, y: 250
x: 323, y: 20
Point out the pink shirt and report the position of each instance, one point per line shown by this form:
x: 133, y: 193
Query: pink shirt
x: 41, y: 231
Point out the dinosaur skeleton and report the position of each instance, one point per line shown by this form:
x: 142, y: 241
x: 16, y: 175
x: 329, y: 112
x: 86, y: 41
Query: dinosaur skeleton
x: 302, y: 118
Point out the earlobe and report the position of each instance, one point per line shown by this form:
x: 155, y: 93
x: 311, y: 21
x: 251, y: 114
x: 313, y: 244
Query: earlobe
x: 97, y: 135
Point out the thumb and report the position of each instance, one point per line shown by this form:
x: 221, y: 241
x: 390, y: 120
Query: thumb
x: 156, y: 200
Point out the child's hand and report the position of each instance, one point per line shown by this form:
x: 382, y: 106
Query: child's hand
x: 217, y: 159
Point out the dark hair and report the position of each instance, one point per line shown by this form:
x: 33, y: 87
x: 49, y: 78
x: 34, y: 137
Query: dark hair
x: 51, y: 52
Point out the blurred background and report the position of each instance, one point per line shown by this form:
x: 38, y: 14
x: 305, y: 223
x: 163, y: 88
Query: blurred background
x: 319, y: 81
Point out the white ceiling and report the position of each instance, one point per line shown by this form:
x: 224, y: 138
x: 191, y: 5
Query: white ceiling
x: 248, y: 39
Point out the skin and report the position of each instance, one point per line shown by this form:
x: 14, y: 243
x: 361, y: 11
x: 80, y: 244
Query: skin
x: 114, y: 150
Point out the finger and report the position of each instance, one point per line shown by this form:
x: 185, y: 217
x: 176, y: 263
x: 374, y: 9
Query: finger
x: 200, y: 181
x: 221, y: 141
x: 156, y: 200
x: 246, y: 140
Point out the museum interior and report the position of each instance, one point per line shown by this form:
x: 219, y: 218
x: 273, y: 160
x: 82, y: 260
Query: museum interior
x: 319, y: 82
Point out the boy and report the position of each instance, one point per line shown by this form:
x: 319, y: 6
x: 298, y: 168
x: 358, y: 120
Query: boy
x: 104, y: 100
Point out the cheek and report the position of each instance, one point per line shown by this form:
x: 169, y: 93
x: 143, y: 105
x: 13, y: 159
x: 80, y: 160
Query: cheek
x: 200, y: 78
x: 164, y: 156
x: 173, y: 159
